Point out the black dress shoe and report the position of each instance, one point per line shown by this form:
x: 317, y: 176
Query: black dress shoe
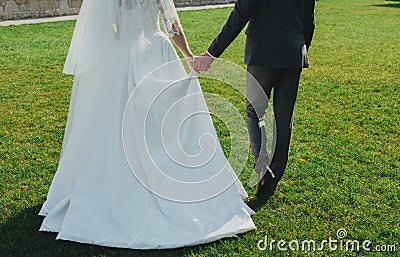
x: 266, y: 186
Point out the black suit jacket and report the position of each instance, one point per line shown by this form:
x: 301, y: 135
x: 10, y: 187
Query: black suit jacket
x: 278, y: 35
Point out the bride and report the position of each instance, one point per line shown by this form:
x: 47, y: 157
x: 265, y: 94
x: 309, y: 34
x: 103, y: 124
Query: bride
x: 132, y: 171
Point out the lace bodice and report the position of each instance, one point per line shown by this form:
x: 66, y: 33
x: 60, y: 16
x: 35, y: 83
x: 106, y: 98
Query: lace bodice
x: 149, y: 9
x: 104, y: 25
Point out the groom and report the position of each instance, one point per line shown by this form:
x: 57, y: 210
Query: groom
x: 279, y: 34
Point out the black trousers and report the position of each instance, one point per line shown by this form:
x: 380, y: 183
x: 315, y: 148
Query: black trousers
x: 285, y: 82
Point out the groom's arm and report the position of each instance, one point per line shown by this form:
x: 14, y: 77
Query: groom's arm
x: 238, y: 18
x: 309, y: 21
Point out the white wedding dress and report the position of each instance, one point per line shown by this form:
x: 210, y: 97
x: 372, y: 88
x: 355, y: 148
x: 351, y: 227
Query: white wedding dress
x: 141, y: 166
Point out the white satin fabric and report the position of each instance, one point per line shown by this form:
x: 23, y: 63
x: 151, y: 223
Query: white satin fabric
x: 104, y: 195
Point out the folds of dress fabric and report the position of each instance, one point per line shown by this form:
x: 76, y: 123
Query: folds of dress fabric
x: 107, y: 189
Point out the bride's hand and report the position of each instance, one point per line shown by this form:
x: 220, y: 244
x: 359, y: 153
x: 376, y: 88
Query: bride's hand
x: 190, y: 61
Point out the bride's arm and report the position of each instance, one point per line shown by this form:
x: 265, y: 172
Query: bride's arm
x: 173, y: 27
x: 181, y: 43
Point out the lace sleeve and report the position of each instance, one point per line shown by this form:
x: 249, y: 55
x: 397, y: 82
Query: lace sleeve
x: 170, y: 17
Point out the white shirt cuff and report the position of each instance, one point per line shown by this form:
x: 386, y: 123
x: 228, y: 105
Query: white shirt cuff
x: 211, y: 55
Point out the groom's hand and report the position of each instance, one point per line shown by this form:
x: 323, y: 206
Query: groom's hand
x: 203, y: 62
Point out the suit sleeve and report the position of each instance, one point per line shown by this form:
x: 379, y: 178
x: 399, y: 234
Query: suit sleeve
x: 238, y: 18
x: 309, y: 21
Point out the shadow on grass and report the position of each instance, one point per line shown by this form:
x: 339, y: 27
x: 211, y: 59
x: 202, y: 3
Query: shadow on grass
x: 392, y: 5
x: 257, y: 203
x: 388, y: 5
x: 20, y: 237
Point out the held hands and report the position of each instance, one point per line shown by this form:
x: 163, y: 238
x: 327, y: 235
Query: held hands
x: 202, y: 63
x: 190, y: 61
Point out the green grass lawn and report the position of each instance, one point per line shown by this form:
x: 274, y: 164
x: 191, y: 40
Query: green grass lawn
x: 344, y: 166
